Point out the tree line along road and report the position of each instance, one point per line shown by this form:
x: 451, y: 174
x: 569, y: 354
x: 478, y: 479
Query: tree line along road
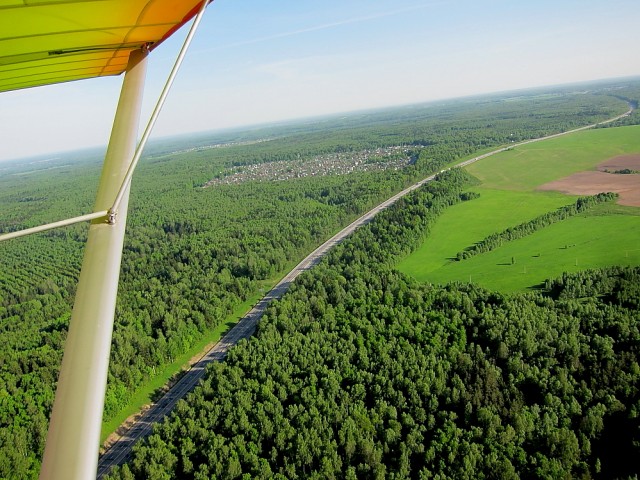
x: 120, y: 450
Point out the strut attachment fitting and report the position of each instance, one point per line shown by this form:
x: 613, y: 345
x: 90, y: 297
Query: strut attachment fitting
x: 112, y: 217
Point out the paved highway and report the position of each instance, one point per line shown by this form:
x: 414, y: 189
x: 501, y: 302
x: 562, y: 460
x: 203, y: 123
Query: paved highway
x: 120, y: 450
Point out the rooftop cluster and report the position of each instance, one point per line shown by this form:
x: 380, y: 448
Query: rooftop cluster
x: 395, y: 157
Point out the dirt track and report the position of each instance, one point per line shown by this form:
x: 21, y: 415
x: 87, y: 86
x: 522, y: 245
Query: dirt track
x: 590, y: 183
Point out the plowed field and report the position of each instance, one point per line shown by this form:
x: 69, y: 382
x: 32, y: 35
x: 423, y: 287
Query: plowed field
x: 592, y: 182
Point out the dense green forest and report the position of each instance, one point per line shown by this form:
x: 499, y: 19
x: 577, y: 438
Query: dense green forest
x: 361, y: 372
x: 192, y: 254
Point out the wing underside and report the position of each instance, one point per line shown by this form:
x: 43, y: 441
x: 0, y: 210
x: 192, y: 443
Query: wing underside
x: 52, y: 41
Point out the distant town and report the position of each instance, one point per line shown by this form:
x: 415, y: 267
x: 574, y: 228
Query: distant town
x: 394, y: 157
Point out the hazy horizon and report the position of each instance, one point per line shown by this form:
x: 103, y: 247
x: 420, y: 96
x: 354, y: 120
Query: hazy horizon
x: 254, y: 63
x: 247, y: 128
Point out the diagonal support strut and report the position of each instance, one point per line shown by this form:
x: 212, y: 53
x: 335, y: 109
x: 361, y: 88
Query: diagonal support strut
x: 73, y: 439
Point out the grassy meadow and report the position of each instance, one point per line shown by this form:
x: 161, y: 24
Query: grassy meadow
x: 527, y: 167
x: 606, y: 235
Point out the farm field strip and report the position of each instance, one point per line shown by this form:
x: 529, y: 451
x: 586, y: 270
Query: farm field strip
x: 526, y: 168
x: 466, y: 223
x: 509, y: 196
x: 567, y: 246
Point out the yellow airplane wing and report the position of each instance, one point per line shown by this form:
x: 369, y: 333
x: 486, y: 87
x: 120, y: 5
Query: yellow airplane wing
x: 52, y: 41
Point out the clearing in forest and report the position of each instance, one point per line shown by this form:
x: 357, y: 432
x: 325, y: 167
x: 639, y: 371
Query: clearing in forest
x: 510, y: 195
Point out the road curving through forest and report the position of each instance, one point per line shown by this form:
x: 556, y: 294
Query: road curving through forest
x: 120, y: 450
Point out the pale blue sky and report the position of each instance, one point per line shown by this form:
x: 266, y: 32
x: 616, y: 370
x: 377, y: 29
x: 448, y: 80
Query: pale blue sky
x: 256, y: 61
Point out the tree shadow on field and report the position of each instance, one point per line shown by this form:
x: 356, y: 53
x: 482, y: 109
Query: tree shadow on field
x: 540, y: 287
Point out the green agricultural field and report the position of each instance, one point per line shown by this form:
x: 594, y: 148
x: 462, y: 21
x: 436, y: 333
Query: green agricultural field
x: 577, y: 243
x: 466, y: 223
x: 608, y: 235
x: 527, y: 167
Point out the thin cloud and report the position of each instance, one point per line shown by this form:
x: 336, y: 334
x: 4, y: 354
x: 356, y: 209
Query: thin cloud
x: 326, y: 26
